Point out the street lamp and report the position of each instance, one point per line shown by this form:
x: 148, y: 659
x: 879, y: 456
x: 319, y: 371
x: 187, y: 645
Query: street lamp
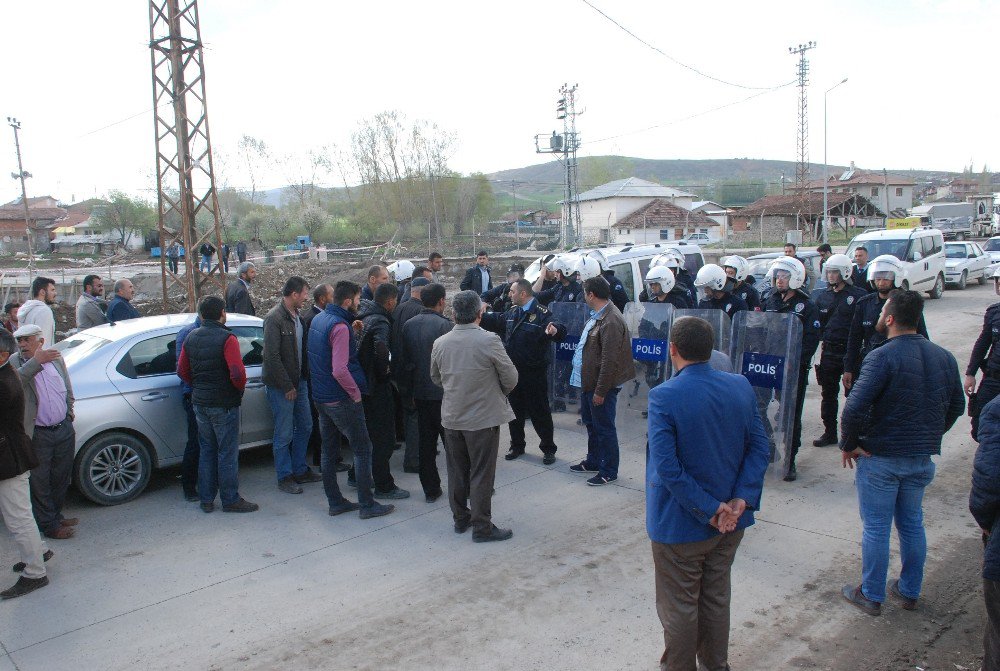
x: 826, y: 177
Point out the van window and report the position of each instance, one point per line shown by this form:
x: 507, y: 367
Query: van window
x: 896, y: 247
x: 938, y: 243
x: 693, y: 263
x: 644, y: 267
x: 927, y: 245
x: 623, y: 271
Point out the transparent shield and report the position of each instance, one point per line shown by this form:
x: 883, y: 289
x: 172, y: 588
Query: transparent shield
x: 649, y: 327
x: 766, y: 349
x: 722, y: 325
x: 564, y: 398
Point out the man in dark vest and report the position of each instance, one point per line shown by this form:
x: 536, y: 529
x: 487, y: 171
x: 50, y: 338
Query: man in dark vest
x: 210, y: 362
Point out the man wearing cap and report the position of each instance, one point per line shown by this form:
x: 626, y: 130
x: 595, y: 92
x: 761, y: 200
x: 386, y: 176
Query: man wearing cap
x: 48, y: 422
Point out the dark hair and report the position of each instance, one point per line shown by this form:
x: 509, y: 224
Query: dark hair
x: 319, y: 293
x: 432, y: 294
x: 693, y: 337
x: 906, y: 307
x: 481, y: 252
x: 516, y: 267
x: 523, y: 285
x: 345, y: 290
x: 862, y: 248
x: 434, y: 255
x: 211, y: 308
x: 88, y: 281
x: 599, y: 287
x: 825, y: 247
x: 294, y: 285
x: 419, y: 271
x: 7, y: 342
x: 792, y: 245
x: 40, y: 284
x: 10, y: 306
x: 374, y: 271
x: 384, y: 293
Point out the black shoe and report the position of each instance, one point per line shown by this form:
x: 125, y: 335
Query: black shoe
x: 582, y: 468
x: 494, y: 534
x: 791, y: 475
x: 341, y: 508
x: 559, y: 407
x: 905, y: 601
x: 860, y: 601
x: 289, y: 486
x: 191, y: 497
x: 549, y: 459
x: 395, y: 493
x: 431, y: 498
x: 20, y: 566
x: 24, y: 586
x: 828, y: 438
x: 513, y: 454
x: 241, y: 506
x: 462, y: 527
x: 207, y: 507
x: 308, y: 476
x: 375, y: 510
x: 341, y: 467
x: 351, y: 482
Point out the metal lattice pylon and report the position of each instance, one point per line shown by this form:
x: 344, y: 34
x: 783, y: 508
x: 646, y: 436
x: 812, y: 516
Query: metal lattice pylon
x: 802, y: 139
x: 185, y: 180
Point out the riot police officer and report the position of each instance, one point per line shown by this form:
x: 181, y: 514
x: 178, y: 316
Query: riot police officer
x: 566, y: 288
x: 717, y: 288
x: 527, y: 331
x: 662, y: 288
x: 738, y: 269
x: 787, y: 275
x: 618, y: 294
x: 985, y: 356
x: 674, y: 259
x: 836, y: 305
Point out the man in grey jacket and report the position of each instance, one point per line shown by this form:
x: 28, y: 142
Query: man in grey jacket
x: 91, y: 306
x: 472, y: 367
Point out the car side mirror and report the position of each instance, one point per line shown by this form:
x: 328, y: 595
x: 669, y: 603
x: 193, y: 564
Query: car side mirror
x: 917, y: 256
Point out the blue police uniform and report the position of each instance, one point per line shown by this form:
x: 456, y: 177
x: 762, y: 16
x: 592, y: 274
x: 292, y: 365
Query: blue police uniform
x: 730, y: 304
x: 863, y: 337
x: 561, y: 293
x: 985, y: 357
x: 749, y: 295
x: 836, y: 312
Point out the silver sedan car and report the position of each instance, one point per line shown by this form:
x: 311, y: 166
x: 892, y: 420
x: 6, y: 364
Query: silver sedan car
x: 129, y: 413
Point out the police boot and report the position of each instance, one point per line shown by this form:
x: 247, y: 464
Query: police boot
x: 828, y: 438
x: 791, y: 475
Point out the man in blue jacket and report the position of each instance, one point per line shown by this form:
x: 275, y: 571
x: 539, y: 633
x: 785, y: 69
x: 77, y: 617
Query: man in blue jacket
x: 984, y: 503
x: 703, y: 483
x: 908, y: 395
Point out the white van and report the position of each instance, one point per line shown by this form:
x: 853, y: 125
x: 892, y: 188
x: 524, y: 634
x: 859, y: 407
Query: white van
x: 920, y: 249
x: 630, y: 262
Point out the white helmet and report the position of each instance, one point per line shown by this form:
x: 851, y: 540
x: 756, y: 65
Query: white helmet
x: 711, y: 276
x: 587, y: 267
x: 669, y: 259
x: 401, y: 270
x: 737, y: 263
x: 790, y: 265
x: 882, y: 265
x: 841, y: 263
x: 660, y: 275
x: 563, y: 263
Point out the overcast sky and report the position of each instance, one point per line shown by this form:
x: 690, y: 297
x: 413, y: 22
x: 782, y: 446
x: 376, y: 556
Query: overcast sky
x: 922, y: 92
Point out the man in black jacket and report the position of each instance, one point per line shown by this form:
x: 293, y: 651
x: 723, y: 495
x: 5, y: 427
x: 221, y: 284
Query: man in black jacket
x: 238, y: 292
x: 477, y: 278
x: 407, y: 422
x: 984, y: 503
x: 207, y: 250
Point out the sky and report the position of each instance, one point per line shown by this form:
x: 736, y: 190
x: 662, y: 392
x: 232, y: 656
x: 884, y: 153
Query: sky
x: 921, y: 90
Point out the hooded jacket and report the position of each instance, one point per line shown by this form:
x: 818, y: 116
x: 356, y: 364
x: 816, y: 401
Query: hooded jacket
x: 39, y: 313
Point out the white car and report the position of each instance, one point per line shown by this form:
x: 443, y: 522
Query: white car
x: 992, y: 247
x: 966, y: 261
x: 697, y: 239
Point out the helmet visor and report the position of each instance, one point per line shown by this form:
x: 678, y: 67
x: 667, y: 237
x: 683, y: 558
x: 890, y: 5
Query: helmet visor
x: 780, y: 274
x: 883, y: 275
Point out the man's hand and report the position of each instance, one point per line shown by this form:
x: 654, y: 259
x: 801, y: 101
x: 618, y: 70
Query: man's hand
x: 358, y: 326
x: 723, y: 519
x: 598, y: 400
x: 970, y: 384
x: 291, y: 394
x: 43, y: 356
x: 847, y: 459
x: 848, y: 380
x: 551, y: 330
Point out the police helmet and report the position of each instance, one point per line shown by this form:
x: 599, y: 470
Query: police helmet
x: 660, y: 275
x: 563, y: 263
x: 711, y: 276
x: 885, y: 265
x: 587, y: 267
x: 789, y: 264
x: 737, y: 263
x: 841, y: 263
x: 667, y: 260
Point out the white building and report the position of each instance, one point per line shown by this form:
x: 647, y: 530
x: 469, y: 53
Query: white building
x: 886, y: 191
x: 604, y: 206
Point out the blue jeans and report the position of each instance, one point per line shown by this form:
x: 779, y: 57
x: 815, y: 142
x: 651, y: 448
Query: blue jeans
x: 602, y: 436
x: 192, y: 449
x: 206, y: 263
x: 892, y: 488
x: 292, y: 426
x: 347, y: 418
x: 218, y: 463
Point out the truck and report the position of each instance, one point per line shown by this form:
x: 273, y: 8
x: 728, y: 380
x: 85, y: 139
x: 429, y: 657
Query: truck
x: 954, y: 220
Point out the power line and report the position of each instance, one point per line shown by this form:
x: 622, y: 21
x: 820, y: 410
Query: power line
x: 120, y: 121
x: 680, y: 63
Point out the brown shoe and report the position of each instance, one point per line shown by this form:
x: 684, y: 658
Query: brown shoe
x: 906, y: 602
x: 70, y: 521
x: 60, y: 533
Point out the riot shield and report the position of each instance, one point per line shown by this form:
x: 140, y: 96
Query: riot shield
x: 649, y: 328
x: 721, y: 324
x: 766, y: 349
x: 563, y: 397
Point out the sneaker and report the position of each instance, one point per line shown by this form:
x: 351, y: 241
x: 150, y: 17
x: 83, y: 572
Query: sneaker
x: 431, y: 498
x: 494, y: 534
x: 462, y: 527
x: 24, y: 586
x: 513, y: 454
x: 860, y: 601
x: 828, y: 438
x: 308, y: 476
x: 582, y: 467
x: 549, y: 459
x: 395, y: 494
x: 600, y: 480
x: 375, y: 510
x: 289, y: 486
x: 207, y: 507
x: 241, y: 506
x: 20, y: 566
x: 906, y: 602
x: 344, y: 506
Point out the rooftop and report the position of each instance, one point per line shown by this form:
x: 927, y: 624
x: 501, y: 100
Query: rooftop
x: 661, y: 213
x: 633, y: 187
x: 807, y: 204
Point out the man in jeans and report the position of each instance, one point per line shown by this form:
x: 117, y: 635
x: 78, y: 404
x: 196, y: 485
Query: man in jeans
x: 285, y: 374
x: 602, y: 363
x: 337, y: 385
x: 909, y: 393
x: 211, y: 363
x: 192, y: 448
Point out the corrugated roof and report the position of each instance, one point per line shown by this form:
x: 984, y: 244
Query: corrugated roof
x: 808, y: 204
x: 34, y: 213
x: 633, y: 187
x: 661, y: 213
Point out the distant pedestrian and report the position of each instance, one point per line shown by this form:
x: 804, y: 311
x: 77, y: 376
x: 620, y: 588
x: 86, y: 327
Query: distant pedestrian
x: 475, y: 373
x: 192, y: 448
x: 10, y: 316
x: 377, y: 275
x: 908, y: 395
x: 435, y: 262
x: 210, y: 362
x: 477, y: 278
x: 38, y: 311
x: 859, y: 275
x: 825, y: 251
x: 238, y: 299
x: 241, y: 251
x: 173, y: 256
x: 984, y: 502
x: 91, y: 307
x: 120, y: 308
x: 207, y: 251
x: 224, y: 256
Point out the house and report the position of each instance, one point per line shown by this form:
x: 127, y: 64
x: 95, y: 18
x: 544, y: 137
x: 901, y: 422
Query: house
x: 957, y: 190
x: 771, y: 217
x: 43, y: 213
x: 661, y: 220
x: 712, y: 210
x: 602, y: 207
x: 887, y: 191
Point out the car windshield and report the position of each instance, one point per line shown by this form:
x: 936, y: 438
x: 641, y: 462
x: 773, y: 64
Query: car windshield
x: 758, y: 267
x: 955, y: 251
x: 992, y: 245
x: 77, y: 347
x: 875, y: 248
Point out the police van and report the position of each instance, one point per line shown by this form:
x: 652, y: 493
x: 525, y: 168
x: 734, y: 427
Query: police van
x: 921, y: 250
x: 629, y: 262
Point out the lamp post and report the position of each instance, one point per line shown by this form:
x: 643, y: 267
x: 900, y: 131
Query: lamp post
x: 826, y: 177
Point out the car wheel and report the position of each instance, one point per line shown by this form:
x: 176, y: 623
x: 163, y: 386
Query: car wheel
x: 938, y: 289
x: 113, y: 468
x: 963, y: 280
x: 982, y: 278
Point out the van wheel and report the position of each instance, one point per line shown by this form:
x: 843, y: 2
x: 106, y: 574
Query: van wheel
x: 938, y: 289
x: 113, y: 468
x: 963, y: 280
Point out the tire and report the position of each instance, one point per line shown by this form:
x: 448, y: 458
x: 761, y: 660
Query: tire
x: 963, y: 280
x: 938, y: 289
x: 982, y: 278
x: 113, y: 468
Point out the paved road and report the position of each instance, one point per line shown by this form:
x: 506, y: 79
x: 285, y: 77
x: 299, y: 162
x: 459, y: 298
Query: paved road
x: 157, y: 584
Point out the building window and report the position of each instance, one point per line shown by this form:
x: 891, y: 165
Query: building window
x: 874, y: 191
x: 664, y: 234
x: 899, y: 192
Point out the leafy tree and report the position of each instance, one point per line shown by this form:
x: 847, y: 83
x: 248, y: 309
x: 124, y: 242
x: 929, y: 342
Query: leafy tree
x: 125, y: 216
x: 314, y: 219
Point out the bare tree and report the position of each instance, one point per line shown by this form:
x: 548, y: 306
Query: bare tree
x: 254, y: 155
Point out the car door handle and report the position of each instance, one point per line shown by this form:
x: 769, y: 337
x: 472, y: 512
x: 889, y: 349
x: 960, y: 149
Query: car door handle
x: 155, y: 396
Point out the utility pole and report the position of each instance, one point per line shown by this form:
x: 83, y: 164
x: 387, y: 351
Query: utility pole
x: 22, y: 175
x: 567, y: 145
x: 517, y: 234
x: 802, y: 141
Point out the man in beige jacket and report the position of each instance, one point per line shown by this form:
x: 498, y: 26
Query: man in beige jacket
x: 473, y: 368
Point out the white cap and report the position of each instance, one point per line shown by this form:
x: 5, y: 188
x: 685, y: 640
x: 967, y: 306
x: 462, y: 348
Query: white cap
x: 28, y: 330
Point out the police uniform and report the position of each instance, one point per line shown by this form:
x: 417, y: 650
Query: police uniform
x: 683, y: 277
x: 836, y: 312
x: 618, y: 295
x: 749, y: 295
x: 560, y: 293
x: 985, y: 357
x: 678, y: 297
x: 529, y: 348
x: 863, y: 337
x: 730, y: 304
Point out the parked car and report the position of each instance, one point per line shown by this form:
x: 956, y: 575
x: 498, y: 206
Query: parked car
x: 992, y: 247
x: 129, y: 417
x: 697, y: 239
x: 920, y: 249
x: 965, y: 261
x: 759, y: 264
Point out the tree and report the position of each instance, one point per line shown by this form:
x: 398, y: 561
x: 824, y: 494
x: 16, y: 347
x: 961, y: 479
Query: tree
x: 254, y: 155
x: 314, y: 219
x: 125, y: 216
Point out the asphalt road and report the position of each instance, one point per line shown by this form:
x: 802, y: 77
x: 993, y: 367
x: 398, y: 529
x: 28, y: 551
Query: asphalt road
x: 157, y: 584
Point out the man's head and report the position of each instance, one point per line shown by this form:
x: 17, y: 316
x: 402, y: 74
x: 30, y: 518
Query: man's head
x: 347, y: 295
x: 322, y: 295
x: 29, y: 340
x: 901, y: 313
x: 417, y: 286
x: 790, y: 249
x: 468, y: 307
x: 247, y: 271
x: 295, y: 292
x: 435, y: 262
x: 44, y: 289
x: 691, y: 340
x: 212, y: 308
x: 861, y: 256
x: 482, y: 258
x: 385, y: 296
x: 424, y: 272
x: 597, y: 292
x: 11, y: 311
x: 93, y: 285
x: 432, y: 296
x: 825, y: 251
x: 513, y: 276
x: 125, y: 289
x: 521, y: 292
x: 7, y: 346
x: 377, y: 275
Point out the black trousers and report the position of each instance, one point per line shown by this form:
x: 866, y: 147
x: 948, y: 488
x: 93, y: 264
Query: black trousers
x: 429, y: 427
x: 991, y: 639
x: 192, y: 451
x: 800, y: 399
x: 829, y: 372
x: 530, y: 399
x: 380, y: 417
x: 989, y: 388
x: 49, y: 481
